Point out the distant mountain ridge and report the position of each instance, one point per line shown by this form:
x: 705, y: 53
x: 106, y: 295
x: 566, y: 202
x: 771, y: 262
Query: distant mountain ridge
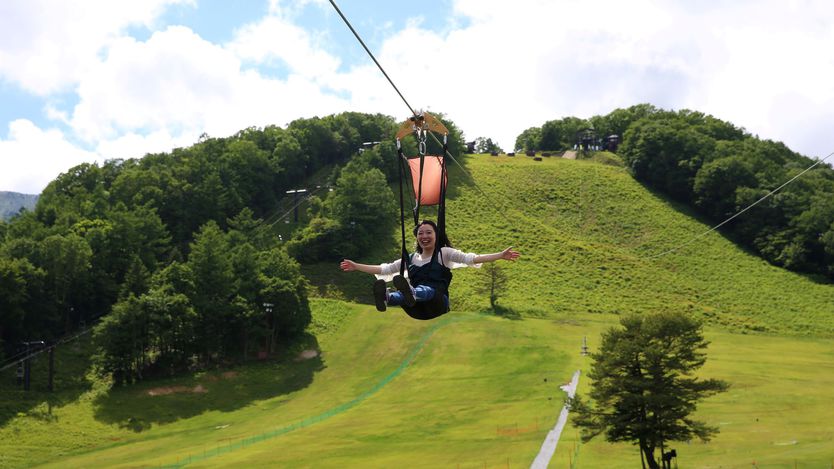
x: 12, y: 202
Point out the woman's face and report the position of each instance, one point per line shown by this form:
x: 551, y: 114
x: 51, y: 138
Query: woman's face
x: 426, y: 237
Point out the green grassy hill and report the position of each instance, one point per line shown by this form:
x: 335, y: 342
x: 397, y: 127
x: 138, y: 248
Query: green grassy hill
x: 590, y: 236
x: 470, y: 389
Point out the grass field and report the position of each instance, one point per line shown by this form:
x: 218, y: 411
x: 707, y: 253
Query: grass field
x: 469, y: 389
x: 474, y: 390
x: 589, y: 236
x: 778, y: 411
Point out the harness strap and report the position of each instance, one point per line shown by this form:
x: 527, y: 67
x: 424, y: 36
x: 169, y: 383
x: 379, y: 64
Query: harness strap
x: 441, y: 207
x: 421, y: 150
x: 404, y: 252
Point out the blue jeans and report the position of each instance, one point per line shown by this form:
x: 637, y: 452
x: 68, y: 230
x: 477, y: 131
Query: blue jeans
x: 420, y: 292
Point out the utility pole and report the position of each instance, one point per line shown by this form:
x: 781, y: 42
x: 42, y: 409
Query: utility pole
x: 27, y: 372
x: 51, y: 368
x: 271, y: 321
x: 295, y: 193
x: 27, y: 364
x: 367, y: 146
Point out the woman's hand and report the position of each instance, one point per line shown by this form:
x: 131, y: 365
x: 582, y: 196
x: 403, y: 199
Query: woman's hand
x: 510, y: 255
x: 348, y: 265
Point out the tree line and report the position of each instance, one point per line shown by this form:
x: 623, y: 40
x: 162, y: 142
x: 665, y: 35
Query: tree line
x: 719, y: 169
x: 172, y: 249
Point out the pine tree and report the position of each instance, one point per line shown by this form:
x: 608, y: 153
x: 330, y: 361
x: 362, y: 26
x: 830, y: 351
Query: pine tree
x: 644, y: 388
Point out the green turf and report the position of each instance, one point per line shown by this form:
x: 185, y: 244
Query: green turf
x: 464, y: 389
x: 777, y: 412
x: 590, y: 237
x: 473, y: 395
x: 388, y: 391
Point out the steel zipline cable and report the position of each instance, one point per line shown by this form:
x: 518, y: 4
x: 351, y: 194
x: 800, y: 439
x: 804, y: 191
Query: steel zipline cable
x: 296, y: 205
x: 14, y: 360
x: 411, y: 109
x: 680, y: 246
x: 358, y: 38
x: 697, y: 237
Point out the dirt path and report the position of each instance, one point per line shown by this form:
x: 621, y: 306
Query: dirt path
x: 552, y: 439
x: 569, y: 155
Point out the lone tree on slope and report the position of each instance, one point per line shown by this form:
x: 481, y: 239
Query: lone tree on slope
x: 493, y: 282
x: 643, y: 385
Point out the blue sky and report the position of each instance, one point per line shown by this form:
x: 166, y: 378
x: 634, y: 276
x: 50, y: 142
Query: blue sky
x: 101, y: 79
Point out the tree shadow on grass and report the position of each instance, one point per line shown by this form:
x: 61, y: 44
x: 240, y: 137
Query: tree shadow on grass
x: 503, y: 312
x: 142, y: 405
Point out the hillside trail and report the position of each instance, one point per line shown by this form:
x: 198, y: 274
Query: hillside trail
x: 552, y: 439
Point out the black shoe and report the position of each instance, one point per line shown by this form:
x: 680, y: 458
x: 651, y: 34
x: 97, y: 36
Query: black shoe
x: 405, y: 288
x: 379, y: 295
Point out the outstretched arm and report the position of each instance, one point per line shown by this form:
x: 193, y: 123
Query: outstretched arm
x: 507, y: 254
x: 348, y: 265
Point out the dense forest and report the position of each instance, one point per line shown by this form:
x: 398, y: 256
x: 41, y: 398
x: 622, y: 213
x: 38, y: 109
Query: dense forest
x: 719, y: 169
x: 171, y: 251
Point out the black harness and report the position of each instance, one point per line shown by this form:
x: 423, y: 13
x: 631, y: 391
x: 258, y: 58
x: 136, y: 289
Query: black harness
x: 433, y: 274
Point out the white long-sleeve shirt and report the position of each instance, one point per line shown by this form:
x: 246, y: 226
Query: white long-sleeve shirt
x: 451, y: 258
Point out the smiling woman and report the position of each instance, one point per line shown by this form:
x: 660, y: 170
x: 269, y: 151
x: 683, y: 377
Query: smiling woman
x: 425, y: 294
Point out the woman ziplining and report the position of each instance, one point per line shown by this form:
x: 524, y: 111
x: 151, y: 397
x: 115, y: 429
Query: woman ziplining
x: 426, y: 295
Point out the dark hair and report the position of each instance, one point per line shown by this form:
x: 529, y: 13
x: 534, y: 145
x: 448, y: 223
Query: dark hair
x: 438, y: 243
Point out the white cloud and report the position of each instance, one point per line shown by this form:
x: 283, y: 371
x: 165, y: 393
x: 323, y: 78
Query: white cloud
x: 765, y: 66
x: 510, y: 69
x: 180, y: 83
x: 46, y: 45
x: 32, y: 157
x: 775, y: 79
x: 132, y: 145
x: 169, y: 81
x: 276, y: 40
x: 139, y: 97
